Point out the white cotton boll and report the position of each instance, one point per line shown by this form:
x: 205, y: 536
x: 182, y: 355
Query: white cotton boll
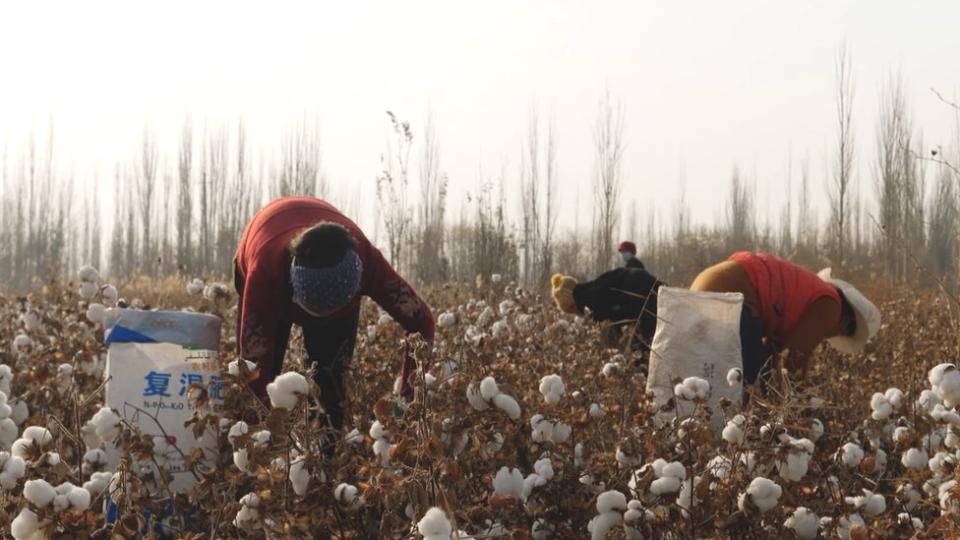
x: 237, y: 430
x: 506, y: 307
x: 475, y: 399
x: 881, y: 409
x: 544, y: 468
x: 734, y: 377
x: 610, y: 369
x: 110, y: 293
x: 500, y: 327
x: 8, y: 433
x: 381, y: 448
x: 89, y: 274
x: 541, y: 530
x: 602, y: 524
x: 429, y: 379
x: 195, y: 287
x: 665, y: 485
x: 31, y: 320
x: 26, y: 525
x: 870, y: 503
x: 13, y: 469
x: 561, y: 433
x: 38, y: 434
x: 508, y: 483
x: 39, y: 492
x: 354, y: 437
x: 733, y: 431
x: 542, y: 429
x: 508, y: 405
x: 285, y: 391
x: 910, y: 495
x: 794, y: 467
x: 700, y: 387
x: 719, y: 467
x: 939, y: 462
x: 932, y: 440
x: 242, y: 460
x: 486, y: 317
x: 901, y: 434
x: 895, y: 397
x: 552, y: 389
x: 851, y: 454
x: 942, y: 414
x: 914, y: 459
x: 94, y: 459
x: 446, y: 320
x: 596, y: 410
x: 21, y: 342
x: 489, y: 388
x: 495, y: 444
x: 609, y: 501
x: 674, y: 469
x: 378, y: 431
x: 626, y: 461
x: 233, y: 368
x: 107, y: 424
x: 935, y: 375
x: 348, y: 496
x: 435, y: 526
x: 948, y: 387
x: 299, y: 476
x: 686, y: 498
x: 763, y: 493
x: 98, y: 483
x: 496, y: 278
x: 803, y: 522
x: 948, y: 503
x: 88, y: 289
x: 927, y: 400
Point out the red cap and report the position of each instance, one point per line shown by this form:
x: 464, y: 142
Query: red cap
x: 627, y: 246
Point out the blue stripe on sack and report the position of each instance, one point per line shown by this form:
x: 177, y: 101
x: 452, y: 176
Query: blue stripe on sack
x: 122, y: 334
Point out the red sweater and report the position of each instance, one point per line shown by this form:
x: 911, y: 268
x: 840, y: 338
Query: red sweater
x: 263, y: 260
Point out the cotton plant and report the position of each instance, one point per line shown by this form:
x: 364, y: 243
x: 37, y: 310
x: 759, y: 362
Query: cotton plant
x: 248, y: 517
x: 552, y: 389
x: 446, y: 320
x: 33, y: 438
x: 692, y: 389
x: 544, y: 430
x: 869, y: 504
x: 803, y: 523
x: 795, y: 456
x: 348, y: 497
x: 850, y: 454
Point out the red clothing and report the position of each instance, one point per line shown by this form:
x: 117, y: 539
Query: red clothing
x: 263, y: 261
x: 784, y: 290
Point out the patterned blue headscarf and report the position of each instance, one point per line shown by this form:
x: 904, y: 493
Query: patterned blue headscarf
x: 321, y: 291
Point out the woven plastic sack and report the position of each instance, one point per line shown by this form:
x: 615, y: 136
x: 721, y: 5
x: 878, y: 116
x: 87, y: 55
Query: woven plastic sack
x: 153, y: 358
x: 698, y: 335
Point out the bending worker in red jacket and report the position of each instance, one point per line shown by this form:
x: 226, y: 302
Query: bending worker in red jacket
x: 789, y: 308
x: 300, y: 261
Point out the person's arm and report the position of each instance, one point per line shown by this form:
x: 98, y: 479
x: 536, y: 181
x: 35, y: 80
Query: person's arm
x: 397, y: 297
x: 256, y: 328
x: 819, y: 322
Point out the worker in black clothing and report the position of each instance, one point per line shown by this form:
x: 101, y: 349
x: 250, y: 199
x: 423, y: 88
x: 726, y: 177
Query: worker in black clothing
x: 622, y: 296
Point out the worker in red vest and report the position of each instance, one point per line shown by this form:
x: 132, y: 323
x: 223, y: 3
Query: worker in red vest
x: 300, y: 261
x: 789, y: 308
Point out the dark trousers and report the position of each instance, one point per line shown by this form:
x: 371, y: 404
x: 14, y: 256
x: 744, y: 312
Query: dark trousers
x: 329, y: 350
x: 757, y: 355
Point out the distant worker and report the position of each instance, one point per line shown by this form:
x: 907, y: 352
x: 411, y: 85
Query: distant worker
x: 620, y: 296
x: 788, y: 308
x: 300, y: 261
x: 628, y: 251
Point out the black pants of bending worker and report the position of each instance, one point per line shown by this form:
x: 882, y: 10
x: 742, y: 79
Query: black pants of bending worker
x: 757, y: 355
x: 329, y: 350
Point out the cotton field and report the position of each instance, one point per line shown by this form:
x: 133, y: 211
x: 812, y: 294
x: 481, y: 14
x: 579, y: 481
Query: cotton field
x: 524, y: 424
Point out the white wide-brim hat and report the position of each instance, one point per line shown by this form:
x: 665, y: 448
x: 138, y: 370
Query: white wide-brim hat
x: 867, y: 314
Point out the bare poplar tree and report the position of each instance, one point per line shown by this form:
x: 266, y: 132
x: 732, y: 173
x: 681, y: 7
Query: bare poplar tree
x: 893, y: 142
x: 839, y: 184
x: 431, y: 260
x: 146, y: 184
x: 300, y: 171
x: 609, y: 148
x: 185, y: 196
x: 741, y: 227
x: 392, y: 185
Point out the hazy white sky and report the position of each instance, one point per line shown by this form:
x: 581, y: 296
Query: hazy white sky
x: 706, y: 85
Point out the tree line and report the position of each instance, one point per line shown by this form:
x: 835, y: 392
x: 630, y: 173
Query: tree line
x: 882, y: 218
